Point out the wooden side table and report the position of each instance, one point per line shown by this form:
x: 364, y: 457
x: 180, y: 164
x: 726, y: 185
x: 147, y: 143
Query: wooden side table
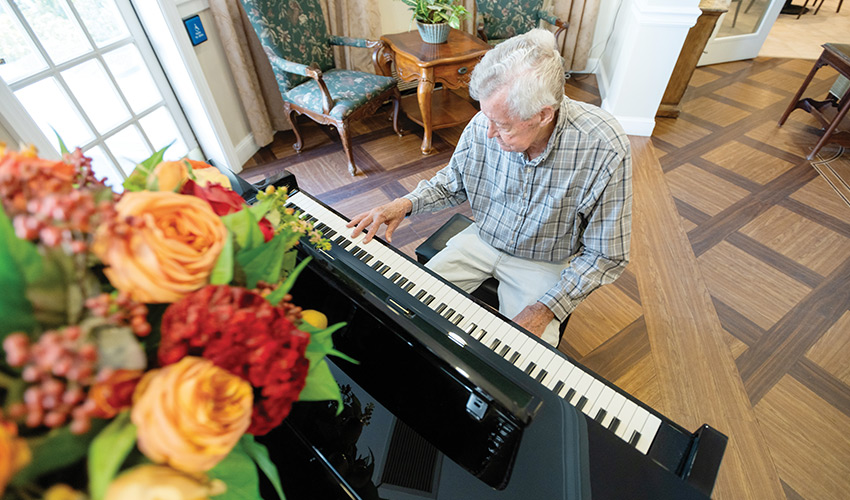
x: 449, y: 63
x: 829, y: 112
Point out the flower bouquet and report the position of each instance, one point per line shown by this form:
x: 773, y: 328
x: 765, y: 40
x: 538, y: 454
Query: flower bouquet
x: 148, y: 336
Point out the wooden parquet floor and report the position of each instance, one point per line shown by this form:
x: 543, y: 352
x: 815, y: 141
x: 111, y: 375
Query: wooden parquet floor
x: 735, y: 309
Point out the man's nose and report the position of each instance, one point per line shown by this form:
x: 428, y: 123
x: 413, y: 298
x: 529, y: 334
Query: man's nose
x: 491, y: 131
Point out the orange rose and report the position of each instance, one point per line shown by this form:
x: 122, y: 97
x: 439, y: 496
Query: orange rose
x: 14, y: 453
x: 190, y: 414
x: 157, y: 482
x: 170, y: 175
x: 163, y: 247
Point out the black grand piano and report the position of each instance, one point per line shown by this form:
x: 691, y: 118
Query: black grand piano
x: 451, y: 400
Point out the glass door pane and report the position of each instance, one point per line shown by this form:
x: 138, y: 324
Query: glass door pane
x: 77, y: 69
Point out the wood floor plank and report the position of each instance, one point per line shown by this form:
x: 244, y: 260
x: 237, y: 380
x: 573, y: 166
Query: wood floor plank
x: 693, y: 361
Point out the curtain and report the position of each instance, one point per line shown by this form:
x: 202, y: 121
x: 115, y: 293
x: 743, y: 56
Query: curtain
x: 251, y: 71
x: 581, y: 14
x: 356, y: 19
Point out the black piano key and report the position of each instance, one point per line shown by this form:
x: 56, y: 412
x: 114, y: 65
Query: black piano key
x: 514, y: 357
x: 420, y: 294
x: 410, y: 286
x: 377, y: 265
x: 558, y: 387
x: 330, y: 234
x: 339, y: 239
x: 581, y: 402
x: 448, y: 313
x: 540, y: 376
x: 320, y: 226
x: 402, y: 281
x: 354, y: 250
x: 569, y: 395
x: 635, y: 438
x: 345, y: 244
x: 441, y: 307
x: 495, y: 344
x: 615, y: 422
x: 530, y: 368
x: 395, y: 276
x: 600, y: 415
x: 457, y: 319
x: 428, y: 300
x: 505, y: 350
x: 367, y: 258
x: 384, y: 269
x: 481, y: 334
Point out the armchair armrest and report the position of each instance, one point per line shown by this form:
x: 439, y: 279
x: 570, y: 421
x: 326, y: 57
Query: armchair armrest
x: 554, y: 21
x: 313, y: 71
x: 281, y: 64
x: 377, y: 46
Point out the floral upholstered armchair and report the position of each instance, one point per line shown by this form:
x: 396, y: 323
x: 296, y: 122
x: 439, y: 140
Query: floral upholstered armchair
x: 295, y: 38
x: 502, y: 19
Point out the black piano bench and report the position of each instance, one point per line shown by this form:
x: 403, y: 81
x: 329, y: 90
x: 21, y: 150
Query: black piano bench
x: 437, y: 241
x: 486, y: 292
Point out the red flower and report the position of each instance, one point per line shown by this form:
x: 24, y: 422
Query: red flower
x: 113, y: 392
x: 222, y: 200
x: 240, y: 331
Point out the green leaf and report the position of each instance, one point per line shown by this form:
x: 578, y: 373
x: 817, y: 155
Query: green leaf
x: 244, y: 226
x: 138, y: 178
x: 263, y: 263
x: 56, y: 450
x: 20, y: 264
x: 321, y: 385
x: 108, y: 451
x: 222, y: 273
x: 276, y: 296
x: 239, y: 473
x: 260, y: 454
x: 62, y: 148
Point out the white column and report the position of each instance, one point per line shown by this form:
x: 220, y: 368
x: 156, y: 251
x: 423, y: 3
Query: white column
x: 639, y: 59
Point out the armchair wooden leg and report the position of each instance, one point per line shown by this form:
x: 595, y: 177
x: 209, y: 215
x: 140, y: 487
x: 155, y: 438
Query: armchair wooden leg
x: 396, y: 107
x: 346, y: 145
x: 293, y: 119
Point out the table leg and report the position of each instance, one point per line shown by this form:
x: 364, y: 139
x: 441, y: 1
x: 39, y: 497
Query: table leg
x: 423, y: 94
x: 796, y: 99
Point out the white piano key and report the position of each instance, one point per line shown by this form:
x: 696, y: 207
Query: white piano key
x: 636, y: 423
x: 601, y: 403
x: 613, y: 409
x: 625, y: 415
x: 647, y: 433
x: 591, y: 394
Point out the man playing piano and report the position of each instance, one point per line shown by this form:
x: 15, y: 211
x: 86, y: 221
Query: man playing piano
x: 548, y: 180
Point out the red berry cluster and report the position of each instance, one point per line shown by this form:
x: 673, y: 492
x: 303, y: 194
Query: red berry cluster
x: 120, y: 310
x: 59, y: 368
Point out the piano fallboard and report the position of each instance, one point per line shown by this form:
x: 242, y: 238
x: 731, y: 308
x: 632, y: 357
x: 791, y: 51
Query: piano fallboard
x: 487, y: 410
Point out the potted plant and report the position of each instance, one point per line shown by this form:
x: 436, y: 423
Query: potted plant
x: 435, y: 18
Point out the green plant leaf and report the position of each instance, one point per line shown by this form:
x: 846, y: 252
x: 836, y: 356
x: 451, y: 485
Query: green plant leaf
x: 276, y: 296
x: 56, y: 450
x: 222, y: 273
x: 245, y: 230
x: 239, y: 473
x: 108, y: 451
x: 20, y: 264
x: 62, y: 148
x: 321, y: 385
x: 260, y: 454
x: 139, y: 178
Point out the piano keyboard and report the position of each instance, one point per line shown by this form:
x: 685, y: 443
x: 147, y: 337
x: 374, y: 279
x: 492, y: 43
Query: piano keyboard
x: 594, y: 397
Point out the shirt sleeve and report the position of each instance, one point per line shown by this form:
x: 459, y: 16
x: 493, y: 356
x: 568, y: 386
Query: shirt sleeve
x: 446, y: 188
x: 604, y: 252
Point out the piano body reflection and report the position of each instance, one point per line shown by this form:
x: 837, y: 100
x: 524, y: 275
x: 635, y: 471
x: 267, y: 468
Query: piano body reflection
x: 451, y: 400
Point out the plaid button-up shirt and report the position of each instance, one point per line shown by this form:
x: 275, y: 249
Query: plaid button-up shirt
x: 573, y: 202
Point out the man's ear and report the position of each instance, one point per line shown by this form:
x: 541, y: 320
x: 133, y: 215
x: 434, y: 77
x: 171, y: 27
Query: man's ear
x: 547, y: 114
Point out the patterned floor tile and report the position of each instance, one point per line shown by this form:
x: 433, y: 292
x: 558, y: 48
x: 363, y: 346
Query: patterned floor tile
x: 752, y: 163
x: 702, y: 190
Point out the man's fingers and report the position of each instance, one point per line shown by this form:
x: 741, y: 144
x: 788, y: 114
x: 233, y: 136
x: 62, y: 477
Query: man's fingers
x: 391, y: 227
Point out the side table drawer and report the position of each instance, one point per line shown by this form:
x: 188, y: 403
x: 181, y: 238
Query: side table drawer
x: 455, y: 75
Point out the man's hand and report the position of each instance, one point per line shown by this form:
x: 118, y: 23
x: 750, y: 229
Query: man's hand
x: 390, y: 214
x: 534, y: 318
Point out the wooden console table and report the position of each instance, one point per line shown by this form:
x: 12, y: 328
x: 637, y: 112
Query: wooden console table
x: 831, y: 111
x: 448, y: 63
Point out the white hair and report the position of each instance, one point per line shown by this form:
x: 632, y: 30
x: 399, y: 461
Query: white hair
x: 531, y: 68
